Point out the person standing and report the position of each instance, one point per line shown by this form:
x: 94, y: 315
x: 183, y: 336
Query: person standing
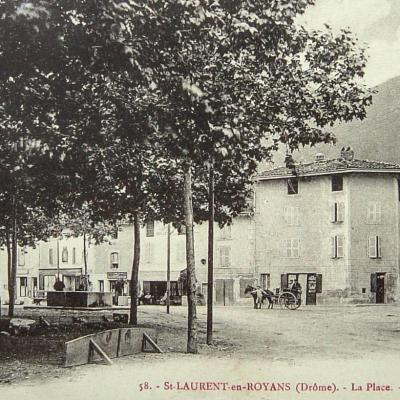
x: 258, y: 292
x: 59, y: 285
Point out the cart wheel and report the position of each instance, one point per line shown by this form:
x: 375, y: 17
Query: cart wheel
x: 293, y: 302
x: 289, y: 301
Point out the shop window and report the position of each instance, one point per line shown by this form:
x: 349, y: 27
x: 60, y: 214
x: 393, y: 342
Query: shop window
x: 114, y: 260
x: 64, y: 255
x: 74, y: 255
x: 374, y: 247
x: 337, y: 212
x: 101, y: 286
x: 293, y: 186
x: 337, y: 246
x: 337, y: 183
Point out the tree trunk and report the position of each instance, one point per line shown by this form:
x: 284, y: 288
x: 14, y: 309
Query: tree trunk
x: 85, y: 281
x: 135, y: 269
x: 191, y: 272
x: 210, y: 277
x: 14, y: 253
x: 9, y: 263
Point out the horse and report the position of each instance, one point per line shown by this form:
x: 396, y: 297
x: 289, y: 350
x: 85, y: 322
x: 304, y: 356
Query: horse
x: 269, y: 296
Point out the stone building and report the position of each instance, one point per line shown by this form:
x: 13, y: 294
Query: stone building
x: 331, y: 224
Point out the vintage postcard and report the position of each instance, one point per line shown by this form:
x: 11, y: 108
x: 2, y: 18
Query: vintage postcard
x: 199, y: 199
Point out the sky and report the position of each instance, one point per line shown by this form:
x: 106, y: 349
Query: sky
x: 376, y: 23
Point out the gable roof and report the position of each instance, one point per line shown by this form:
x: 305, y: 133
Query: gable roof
x: 328, y: 167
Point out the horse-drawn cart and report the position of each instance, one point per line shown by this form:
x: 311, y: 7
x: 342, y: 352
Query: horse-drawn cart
x: 286, y: 299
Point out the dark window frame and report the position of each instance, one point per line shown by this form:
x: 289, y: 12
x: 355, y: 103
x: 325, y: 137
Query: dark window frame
x: 337, y: 183
x: 293, y: 186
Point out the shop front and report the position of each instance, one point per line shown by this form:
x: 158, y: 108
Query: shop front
x: 118, y: 284
x: 310, y: 283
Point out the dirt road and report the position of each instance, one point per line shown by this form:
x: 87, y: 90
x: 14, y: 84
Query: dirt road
x: 347, y: 347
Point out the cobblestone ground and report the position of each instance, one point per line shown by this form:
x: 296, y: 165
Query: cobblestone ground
x: 322, y: 344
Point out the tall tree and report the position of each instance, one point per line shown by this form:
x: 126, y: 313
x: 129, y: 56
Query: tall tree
x: 234, y: 79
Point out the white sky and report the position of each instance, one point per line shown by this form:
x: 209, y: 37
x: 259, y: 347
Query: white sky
x: 376, y: 23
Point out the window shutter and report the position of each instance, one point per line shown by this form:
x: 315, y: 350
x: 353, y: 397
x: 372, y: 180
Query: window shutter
x: 333, y: 247
x: 370, y: 213
x: 372, y: 247
x: 378, y: 247
x: 373, y: 283
x: 378, y: 213
x: 284, y: 281
x: 319, y: 283
x: 340, y: 246
x: 333, y: 212
x: 340, y: 212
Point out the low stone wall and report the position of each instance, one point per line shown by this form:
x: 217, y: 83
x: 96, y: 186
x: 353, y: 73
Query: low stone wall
x: 79, y: 299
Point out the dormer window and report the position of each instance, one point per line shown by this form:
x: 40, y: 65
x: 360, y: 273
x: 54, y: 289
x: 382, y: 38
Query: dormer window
x: 337, y: 183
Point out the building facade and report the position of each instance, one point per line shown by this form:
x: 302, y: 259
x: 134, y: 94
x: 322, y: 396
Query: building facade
x: 332, y: 225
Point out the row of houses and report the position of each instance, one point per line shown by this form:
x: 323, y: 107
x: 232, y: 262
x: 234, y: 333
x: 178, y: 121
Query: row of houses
x: 333, y: 225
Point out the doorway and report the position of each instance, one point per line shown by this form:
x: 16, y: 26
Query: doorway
x: 380, y: 288
x: 224, y: 291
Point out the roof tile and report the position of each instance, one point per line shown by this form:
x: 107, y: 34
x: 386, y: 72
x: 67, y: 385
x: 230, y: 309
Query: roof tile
x: 338, y: 165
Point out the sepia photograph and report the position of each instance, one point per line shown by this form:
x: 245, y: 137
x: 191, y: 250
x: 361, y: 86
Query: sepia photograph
x: 199, y: 199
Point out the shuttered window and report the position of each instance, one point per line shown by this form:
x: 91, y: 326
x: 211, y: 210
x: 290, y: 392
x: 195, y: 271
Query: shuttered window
x: 224, y: 256
x: 291, y: 215
x: 114, y: 259
x: 291, y: 248
x: 337, y: 246
x: 64, y: 255
x: 374, y: 247
x: 374, y: 213
x: 337, y: 212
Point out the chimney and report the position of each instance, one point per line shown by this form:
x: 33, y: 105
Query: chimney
x: 319, y: 157
x: 347, y: 154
